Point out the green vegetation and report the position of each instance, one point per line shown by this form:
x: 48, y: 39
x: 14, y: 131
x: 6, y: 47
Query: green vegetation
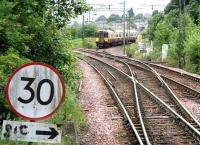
x: 79, y: 31
x: 115, y: 18
x: 84, y: 43
x: 83, y: 36
x: 181, y: 32
x: 132, y: 49
x: 30, y: 32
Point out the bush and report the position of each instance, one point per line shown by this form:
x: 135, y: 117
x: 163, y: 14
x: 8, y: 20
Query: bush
x: 34, y: 34
x: 9, y: 62
x: 131, y: 50
x: 77, y: 30
x: 192, y: 51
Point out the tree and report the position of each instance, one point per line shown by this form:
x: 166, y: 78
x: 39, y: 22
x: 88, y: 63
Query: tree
x: 76, y: 30
x: 174, y: 4
x: 114, y: 18
x: 33, y: 31
x: 139, y: 16
x: 193, y: 9
x: 101, y: 18
x: 89, y: 29
x: 155, y: 12
x: 131, y: 13
x: 153, y: 25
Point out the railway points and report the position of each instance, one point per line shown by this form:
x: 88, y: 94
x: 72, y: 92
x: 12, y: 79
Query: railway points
x: 151, y: 110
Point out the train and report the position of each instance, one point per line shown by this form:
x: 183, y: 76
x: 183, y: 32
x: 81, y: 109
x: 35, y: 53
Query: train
x: 108, y: 38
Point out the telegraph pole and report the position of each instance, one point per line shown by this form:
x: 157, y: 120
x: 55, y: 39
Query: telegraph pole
x: 181, y: 57
x: 124, y: 20
x: 83, y: 29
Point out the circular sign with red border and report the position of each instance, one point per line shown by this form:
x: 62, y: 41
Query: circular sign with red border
x: 35, y: 91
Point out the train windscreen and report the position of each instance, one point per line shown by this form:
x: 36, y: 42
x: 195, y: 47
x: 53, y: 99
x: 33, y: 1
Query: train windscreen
x: 102, y: 34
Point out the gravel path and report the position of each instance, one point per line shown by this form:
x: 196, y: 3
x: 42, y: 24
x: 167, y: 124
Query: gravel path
x: 104, y: 124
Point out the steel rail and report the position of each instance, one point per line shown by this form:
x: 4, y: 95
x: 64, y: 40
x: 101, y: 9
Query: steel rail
x: 191, y: 90
x: 163, y: 83
x: 121, y: 106
x: 177, y: 72
x: 170, y: 91
x: 138, y: 105
x: 149, y: 93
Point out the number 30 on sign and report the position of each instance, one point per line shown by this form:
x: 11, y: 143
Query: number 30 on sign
x: 35, y: 91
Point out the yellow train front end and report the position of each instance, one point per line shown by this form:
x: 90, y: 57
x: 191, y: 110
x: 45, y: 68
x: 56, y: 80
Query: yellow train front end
x: 102, y: 39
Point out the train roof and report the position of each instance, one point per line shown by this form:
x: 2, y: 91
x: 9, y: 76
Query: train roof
x: 109, y: 31
x: 117, y: 31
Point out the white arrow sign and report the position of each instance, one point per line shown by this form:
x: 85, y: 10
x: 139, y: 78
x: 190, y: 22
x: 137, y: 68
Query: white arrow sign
x: 30, y: 132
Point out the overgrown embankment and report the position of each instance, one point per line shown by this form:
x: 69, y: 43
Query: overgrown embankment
x: 29, y: 32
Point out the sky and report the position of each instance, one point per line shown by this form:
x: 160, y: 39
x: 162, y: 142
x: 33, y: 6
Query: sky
x: 139, y: 6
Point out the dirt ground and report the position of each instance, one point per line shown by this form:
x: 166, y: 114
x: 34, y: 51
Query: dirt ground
x: 118, y: 50
x: 104, y: 125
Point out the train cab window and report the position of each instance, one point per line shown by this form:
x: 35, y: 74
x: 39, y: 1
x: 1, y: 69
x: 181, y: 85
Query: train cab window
x: 105, y: 34
x: 120, y: 35
x: 101, y: 34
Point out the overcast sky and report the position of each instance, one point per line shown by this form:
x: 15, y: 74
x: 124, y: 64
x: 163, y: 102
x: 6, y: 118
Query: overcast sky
x: 139, y: 6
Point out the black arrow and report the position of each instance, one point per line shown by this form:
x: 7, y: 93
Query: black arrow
x: 53, y: 133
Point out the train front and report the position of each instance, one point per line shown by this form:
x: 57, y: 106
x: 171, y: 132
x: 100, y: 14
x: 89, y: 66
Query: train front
x: 102, y: 39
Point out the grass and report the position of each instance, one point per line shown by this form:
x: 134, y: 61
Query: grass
x: 88, y: 42
x: 70, y: 110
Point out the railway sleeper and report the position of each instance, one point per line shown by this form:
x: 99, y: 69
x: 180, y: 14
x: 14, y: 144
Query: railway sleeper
x: 190, y: 131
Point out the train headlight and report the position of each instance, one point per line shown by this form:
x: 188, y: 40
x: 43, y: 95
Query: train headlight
x: 106, y: 39
x: 97, y: 39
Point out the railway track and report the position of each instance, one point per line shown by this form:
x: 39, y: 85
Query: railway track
x: 178, y: 76
x: 124, y: 101
x: 147, y: 112
x: 183, y: 91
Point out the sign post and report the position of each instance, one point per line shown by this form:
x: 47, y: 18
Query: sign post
x: 30, y: 131
x: 35, y: 91
x: 164, y: 52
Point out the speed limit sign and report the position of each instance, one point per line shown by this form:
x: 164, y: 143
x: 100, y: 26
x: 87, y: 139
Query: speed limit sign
x: 35, y: 91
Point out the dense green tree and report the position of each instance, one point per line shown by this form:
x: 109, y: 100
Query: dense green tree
x: 155, y: 12
x: 174, y: 4
x: 192, y: 46
x: 114, y: 18
x: 33, y: 31
x: 191, y: 7
x: 101, y: 18
x: 181, y: 32
x: 131, y: 14
x: 89, y: 30
x: 153, y: 25
x: 76, y: 30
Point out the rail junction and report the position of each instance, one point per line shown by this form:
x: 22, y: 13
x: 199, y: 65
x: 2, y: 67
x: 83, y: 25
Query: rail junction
x: 149, y: 98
